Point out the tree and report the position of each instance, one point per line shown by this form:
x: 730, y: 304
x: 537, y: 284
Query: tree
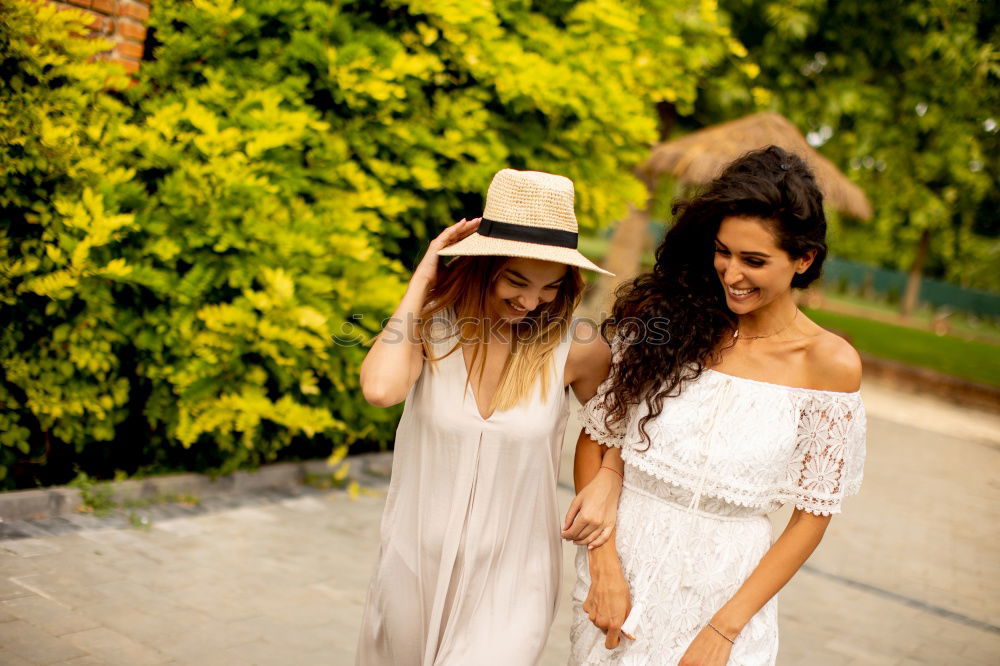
x: 906, y: 94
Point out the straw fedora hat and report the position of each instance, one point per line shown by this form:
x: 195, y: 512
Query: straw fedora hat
x: 528, y: 214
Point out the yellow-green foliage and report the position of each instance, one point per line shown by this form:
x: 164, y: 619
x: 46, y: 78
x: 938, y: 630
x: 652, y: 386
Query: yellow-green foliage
x: 256, y: 248
x: 431, y: 97
x: 58, y: 252
x: 185, y: 261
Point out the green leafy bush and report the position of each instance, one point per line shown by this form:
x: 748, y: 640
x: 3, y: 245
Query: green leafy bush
x: 62, y: 379
x: 185, y: 258
x: 250, y: 250
x: 430, y: 98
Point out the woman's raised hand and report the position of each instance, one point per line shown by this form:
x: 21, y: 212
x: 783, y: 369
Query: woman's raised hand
x: 391, y: 368
x: 592, y: 514
x: 426, y: 271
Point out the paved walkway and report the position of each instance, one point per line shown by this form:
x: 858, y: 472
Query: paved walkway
x: 909, y: 575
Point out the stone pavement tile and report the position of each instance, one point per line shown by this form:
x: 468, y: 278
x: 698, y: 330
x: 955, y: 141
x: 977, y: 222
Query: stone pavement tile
x: 247, y: 517
x: 299, y: 640
x: 30, y: 528
x: 224, y: 657
x: 216, y: 602
x: 35, y: 645
x: 50, y: 586
x: 181, y: 527
x: 87, y: 569
x: 798, y: 643
x: 138, y: 622
x: 131, y: 544
x: 344, y: 594
x: 869, y: 661
x: 29, y: 547
x: 8, y: 658
x: 928, y: 413
x: 128, y: 592
x: 259, y: 652
x: 822, y: 621
x: 296, y: 607
x: 87, y: 521
x: 181, y: 573
x: 914, y: 548
x: 977, y: 653
x: 54, y: 618
x: 307, y: 504
x: 9, y: 589
x: 112, y: 648
x: 189, y: 644
x: 849, y: 650
x: 58, y: 525
x: 286, y: 568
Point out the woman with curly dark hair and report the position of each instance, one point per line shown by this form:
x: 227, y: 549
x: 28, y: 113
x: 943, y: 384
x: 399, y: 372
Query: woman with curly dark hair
x: 748, y: 406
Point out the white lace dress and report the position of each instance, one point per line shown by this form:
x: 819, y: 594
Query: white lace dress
x: 692, y: 520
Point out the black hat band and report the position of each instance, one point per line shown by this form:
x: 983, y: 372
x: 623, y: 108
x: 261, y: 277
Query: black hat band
x: 524, y: 234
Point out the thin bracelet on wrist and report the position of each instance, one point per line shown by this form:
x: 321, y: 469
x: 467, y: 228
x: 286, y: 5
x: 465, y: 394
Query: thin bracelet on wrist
x: 622, y: 476
x: 732, y: 641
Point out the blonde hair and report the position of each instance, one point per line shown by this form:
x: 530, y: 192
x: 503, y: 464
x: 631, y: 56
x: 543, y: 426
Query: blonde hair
x: 464, y: 285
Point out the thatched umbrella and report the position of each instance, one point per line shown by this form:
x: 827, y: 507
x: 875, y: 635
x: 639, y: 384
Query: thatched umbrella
x: 700, y: 156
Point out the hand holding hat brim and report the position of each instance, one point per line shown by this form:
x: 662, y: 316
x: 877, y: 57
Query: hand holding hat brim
x: 528, y: 214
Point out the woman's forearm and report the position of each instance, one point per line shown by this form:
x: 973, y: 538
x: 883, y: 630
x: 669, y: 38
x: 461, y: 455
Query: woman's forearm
x: 587, y: 460
x: 785, y: 557
x: 598, y: 480
x: 607, y: 603
x: 590, y: 457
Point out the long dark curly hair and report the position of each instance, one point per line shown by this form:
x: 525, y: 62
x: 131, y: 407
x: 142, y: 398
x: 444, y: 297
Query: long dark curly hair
x: 684, y: 289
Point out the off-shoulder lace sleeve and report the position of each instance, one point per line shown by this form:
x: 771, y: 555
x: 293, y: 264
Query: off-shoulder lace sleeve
x: 592, y: 419
x: 593, y: 412
x: 830, y: 452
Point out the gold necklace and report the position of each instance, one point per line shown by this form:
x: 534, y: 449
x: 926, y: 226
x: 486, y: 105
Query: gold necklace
x: 736, y: 333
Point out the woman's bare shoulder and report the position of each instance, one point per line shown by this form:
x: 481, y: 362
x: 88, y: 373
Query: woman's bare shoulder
x: 834, y: 363
x: 589, y: 354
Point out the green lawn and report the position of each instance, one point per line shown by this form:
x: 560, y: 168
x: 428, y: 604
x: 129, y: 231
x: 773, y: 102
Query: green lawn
x: 961, y: 324
x: 978, y: 361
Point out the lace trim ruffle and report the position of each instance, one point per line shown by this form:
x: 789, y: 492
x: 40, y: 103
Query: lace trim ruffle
x: 601, y: 435
x: 760, y: 497
x: 767, y: 445
x: 592, y: 420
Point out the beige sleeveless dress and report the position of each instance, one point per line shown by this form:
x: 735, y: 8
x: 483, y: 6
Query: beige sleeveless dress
x: 469, y: 564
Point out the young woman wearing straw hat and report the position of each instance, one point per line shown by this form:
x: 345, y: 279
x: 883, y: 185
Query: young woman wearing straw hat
x: 749, y: 406
x: 483, y: 350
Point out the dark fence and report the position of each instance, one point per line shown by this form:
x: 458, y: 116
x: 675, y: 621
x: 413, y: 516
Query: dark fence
x: 850, y: 275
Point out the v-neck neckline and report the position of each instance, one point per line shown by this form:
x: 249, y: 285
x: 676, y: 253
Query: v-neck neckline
x: 469, y: 389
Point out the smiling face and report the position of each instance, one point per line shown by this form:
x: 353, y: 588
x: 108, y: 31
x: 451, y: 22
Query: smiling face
x: 753, y: 270
x: 524, y: 285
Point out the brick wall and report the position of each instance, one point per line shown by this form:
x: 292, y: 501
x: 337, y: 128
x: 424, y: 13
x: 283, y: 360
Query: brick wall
x: 122, y: 22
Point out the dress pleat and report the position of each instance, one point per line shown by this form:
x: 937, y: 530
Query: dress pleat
x: 469, y: 564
